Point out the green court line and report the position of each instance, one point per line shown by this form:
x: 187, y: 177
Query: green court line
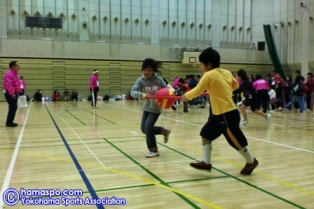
x: 101, y: 117
x: 247, y: 183
x: 144, y: 185
x: 152, y: 174
x: 303, y: 129
x: 57, y: 104
x: 75, y: 117
x: 132, y: 140
x: 120, y: 188
x: 201, y: 179
x: 122, y: 137
x: 73, y: 104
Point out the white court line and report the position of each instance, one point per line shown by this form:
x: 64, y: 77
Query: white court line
x: 133, y: 132
x: 8, y: 176
x: 258, y: 139
x: 283, y: 145
x: 83, y: 142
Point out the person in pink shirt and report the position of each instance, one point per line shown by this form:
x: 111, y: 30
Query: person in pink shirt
x: 11, y: 88
x: 175, y: 84
x: 22, y: 86
x: 261, y: 87
x: 94, y: 87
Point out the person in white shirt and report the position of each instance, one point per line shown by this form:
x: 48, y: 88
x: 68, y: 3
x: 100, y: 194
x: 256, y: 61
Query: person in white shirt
x: 272, y: 97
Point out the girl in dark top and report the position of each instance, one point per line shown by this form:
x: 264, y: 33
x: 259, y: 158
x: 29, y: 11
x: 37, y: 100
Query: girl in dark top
x: 251, y: 78
x: 38, y: 96
x: 279, y: 88
x: 66, y: 95
x: 288, y: 89
x: 74, y: 95
x: 309, y: 91
x: 251, y: 98
x: 56, y: 95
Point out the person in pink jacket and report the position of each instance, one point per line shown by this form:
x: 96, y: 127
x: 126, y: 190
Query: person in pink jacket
x: 94, y: 87
x: 11, y: 88
x: 261, y: 87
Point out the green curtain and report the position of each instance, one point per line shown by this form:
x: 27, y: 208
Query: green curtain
x: 273, y: 51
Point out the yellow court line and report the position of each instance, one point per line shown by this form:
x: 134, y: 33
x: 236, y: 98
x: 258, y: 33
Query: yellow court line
x: 292, y: 186
x: 209, y: 204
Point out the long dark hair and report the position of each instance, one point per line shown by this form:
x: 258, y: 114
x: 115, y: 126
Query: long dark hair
x: 155, y: 65
x: 258, y: 76
x: 241, y: 73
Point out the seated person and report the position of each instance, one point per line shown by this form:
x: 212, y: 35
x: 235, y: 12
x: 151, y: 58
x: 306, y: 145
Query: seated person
x: 38, y: 96
x: 56, y: 95
x: 66, y: 95
x: 74, y: 95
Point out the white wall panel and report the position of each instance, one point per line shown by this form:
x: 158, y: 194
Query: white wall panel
x: 136, y: 15
x: 146, y: 21
x: 223, y: 20
x: 208, y: 24
x: 231, y: 18
x: 191, y: 22
x: 105, y: 17
x: 200, y: 21
x: 164, y: 21
x: 182, y: 21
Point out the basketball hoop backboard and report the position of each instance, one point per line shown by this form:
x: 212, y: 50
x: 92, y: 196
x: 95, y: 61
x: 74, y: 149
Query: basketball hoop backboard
x: 190, y: 58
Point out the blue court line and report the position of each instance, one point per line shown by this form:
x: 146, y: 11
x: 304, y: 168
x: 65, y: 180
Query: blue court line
x: 77, y: 164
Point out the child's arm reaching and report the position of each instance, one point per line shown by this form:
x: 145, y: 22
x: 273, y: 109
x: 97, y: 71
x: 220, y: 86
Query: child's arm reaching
x: 235, y: 84
x: 135, y: 91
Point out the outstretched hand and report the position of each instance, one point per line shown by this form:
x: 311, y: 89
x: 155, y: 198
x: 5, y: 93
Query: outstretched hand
x: 184, y: 99
x: 143, y: 96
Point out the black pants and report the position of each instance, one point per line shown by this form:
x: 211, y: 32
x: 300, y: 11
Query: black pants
x: 22, y: 92
x: 309, y: 100
x: 12, y: 107
x: 263, y: 98
x: 228, y: 125
x: 185, y: 107
x: 94, y: 96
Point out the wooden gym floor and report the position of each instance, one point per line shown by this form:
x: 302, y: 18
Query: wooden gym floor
x: 67, y: 145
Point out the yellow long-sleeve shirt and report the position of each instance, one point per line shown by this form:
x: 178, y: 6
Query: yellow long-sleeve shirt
x: 219, y: 84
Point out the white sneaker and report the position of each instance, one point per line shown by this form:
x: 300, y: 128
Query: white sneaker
x: 239, y: 104
x: 243, y: 123
x: 152, y: 154
x: 268, y: 118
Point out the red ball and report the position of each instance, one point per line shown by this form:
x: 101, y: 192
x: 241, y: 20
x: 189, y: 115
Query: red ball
x: 166, y: 102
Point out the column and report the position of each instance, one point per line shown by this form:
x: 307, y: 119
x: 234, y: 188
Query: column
x: 305, y: 41
x: 3, y: 19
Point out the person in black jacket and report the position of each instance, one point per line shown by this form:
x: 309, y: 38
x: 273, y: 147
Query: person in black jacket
x: 38, y: 96
x: 298, y: 92
x: 74, y: 95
